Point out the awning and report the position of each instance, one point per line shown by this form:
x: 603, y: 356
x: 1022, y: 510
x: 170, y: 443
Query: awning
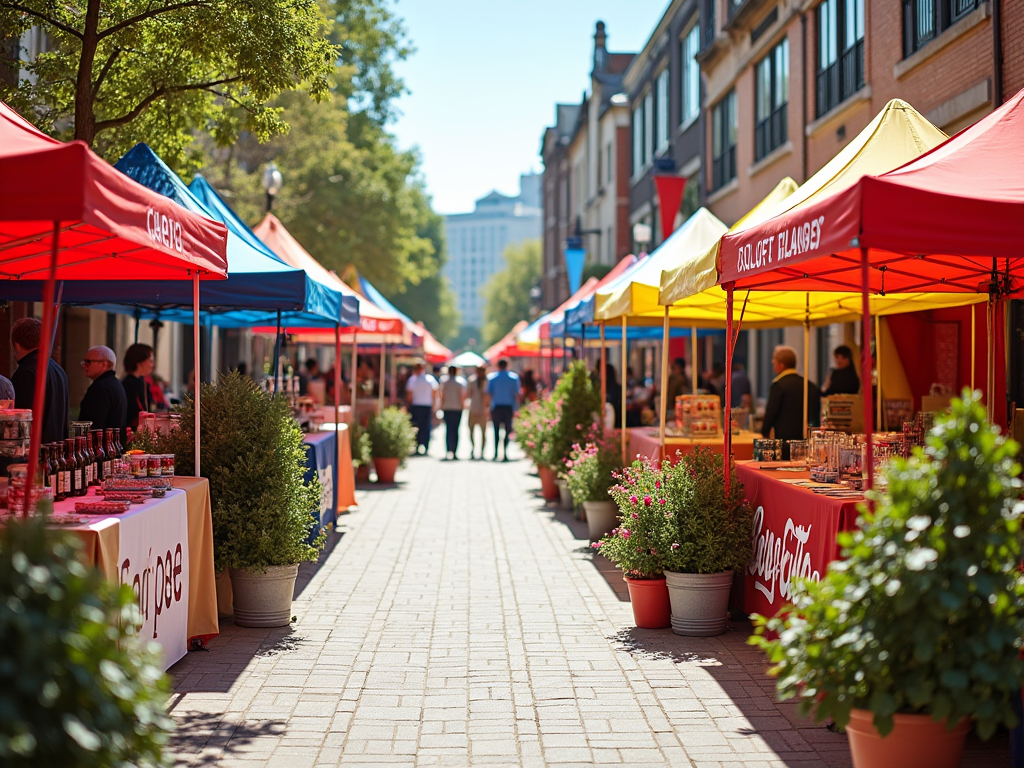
x: 582, y: 311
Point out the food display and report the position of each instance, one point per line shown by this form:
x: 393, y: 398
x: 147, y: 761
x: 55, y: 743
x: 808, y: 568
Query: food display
x: 699, y: 416
x: 102, y: 507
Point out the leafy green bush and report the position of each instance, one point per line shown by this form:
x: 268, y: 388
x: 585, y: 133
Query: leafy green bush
x: 589, y: 468
x: 705, y: 531
x: 77, y: 690
x: 534, y: 427
x: 925, y: 613
x: 578, y: 403
x: 391, y: 434
x: 362, y: 455
x: 254, y: 457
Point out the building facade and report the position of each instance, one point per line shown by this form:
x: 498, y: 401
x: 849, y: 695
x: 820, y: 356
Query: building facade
x: 663, y: 84
x: 585, y: 174
x: 477, y: 242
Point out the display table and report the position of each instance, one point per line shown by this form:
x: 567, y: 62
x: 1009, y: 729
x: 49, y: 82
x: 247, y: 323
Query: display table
x: 322, y: 463
x: 164, y: 550
x: 794, y: 535
x: 646, y: 441
x: 325, y: 414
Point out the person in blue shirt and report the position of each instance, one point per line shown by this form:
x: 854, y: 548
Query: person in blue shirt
x: 503, y: 387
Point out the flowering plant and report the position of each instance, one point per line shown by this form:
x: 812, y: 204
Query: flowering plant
x: 534, y: 427
x: 577, y: 404
x: 637, y: 546
x: 589, y: 468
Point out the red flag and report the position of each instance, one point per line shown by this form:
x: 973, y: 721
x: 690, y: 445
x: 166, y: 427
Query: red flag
x: 670, y: 197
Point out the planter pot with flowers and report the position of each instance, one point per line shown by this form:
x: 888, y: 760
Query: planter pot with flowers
x: 914, y: 635
x: 392, y: 439
x: 588, y: 472
x: 362, y: 453
x: 706, y: 540
x: 262, y: 507
x: 534, y: 426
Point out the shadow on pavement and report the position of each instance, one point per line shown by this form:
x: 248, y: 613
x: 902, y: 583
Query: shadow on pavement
x: 308, y: 570
x: 205, y: 738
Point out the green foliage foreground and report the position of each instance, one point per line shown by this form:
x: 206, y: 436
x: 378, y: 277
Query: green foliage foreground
x: 924, y: 613
x: 77, y: 689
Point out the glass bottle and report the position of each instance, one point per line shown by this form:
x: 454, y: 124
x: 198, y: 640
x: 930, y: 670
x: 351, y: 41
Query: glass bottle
x: 86, y: 451
x: 99, y: 454
x: 108, y: 451
x: 83, y: 468
x: 118, y: 448
x: 72, y: 464
x: 47, y: 463
x: 63, y: 473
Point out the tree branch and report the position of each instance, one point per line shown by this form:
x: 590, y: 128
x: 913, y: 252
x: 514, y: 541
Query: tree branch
x: 149, y: 14
x: 159, y: 93
x: 104, y: 71
x: 43, y: 17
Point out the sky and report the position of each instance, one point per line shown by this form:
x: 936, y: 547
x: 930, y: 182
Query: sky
x: 485, y: 78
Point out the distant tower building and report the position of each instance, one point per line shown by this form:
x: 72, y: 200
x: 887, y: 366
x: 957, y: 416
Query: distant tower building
x: 477, y: 241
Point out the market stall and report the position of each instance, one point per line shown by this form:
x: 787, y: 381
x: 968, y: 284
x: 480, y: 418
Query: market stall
x: 646, y: 441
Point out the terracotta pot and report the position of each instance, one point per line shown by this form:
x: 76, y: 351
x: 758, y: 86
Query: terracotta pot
x: 602, y: 516
x: 363, y: 473
x: 385, y: 469
x: 548, y: 483
x: 649, y: 597
x: 916, y: 741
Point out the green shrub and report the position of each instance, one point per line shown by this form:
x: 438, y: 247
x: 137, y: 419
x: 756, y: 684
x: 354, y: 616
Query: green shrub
x: 924, y: 613
x: 391, y: 434
x: 578, y: 403
x: 254, y: 457
x: 535, y: 425
x: 77, y: 689
x: 362, y: 455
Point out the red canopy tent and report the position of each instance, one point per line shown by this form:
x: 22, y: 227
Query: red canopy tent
x: 66, y: 214
x: 949, y: 220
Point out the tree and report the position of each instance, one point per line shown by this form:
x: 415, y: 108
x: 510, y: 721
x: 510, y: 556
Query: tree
x: 507, y: 293
x: 123, y: 71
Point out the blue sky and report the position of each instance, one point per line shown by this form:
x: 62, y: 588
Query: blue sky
x: 485, y: 78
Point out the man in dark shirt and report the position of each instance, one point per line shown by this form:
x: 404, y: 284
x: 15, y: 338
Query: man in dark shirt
x: 843, y: 379
x: 104, y: 403
x: 785, y: 409
x: 25, y: 334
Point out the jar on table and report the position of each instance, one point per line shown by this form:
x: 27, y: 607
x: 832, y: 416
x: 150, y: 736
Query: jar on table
x: 154, y: 465
x: 167, y: 464
x: 139, y: 463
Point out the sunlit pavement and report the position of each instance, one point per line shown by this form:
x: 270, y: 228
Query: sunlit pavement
x: 458, y: 621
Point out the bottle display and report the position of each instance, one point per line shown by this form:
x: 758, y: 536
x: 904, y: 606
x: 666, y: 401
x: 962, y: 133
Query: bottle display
x: 74, y: 476
x: 81, y: 461
x: 99, y: 455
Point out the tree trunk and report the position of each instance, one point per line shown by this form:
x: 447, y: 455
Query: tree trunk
x: 85, y: 118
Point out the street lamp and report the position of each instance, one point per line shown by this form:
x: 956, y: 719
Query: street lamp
x: 272, y: 181
x: 642, y: 235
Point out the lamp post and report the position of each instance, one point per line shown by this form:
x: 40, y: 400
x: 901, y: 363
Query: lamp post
x: 272, y: 181
x: 642, y: 236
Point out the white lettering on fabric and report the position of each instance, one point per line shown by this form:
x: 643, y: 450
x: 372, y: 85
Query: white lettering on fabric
x: 164, y: 231
x: 799, y: 239
x: 778, y: 560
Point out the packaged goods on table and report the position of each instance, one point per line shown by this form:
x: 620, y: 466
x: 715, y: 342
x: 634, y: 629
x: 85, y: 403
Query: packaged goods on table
x: 699, y: 416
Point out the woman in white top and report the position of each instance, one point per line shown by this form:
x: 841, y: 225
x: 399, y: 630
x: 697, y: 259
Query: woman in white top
x: 453, y: 402
x: 479, y: 408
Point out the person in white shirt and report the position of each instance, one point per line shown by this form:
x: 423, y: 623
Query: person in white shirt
x: 479, y: 405
x: 421, y: 394
x: 453, y: 403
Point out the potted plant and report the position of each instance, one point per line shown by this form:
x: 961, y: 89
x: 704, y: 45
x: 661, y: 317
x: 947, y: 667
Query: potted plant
x: 362, y: 455
x: 535, y: 426
x: 706, y: 540
x: 915, y: 635
x: 262, y: 507
x: 634, y: 545
x: 77, y: 686
x: 588, y: 471
x: 392, y: 439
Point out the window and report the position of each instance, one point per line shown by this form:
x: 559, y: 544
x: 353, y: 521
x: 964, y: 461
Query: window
x: 690, y: 81
x: 723, y: 141
x: 608, y: 163
x: 924, y: 19
x: 638, y: 139
x: 648, y: 127
x: 662, y: 115
x: 771, y: 100
x: 840, y: 52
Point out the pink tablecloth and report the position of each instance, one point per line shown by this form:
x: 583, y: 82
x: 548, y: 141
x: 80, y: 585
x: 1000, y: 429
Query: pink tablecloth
x: 645, y: 441
x: 794, y: 535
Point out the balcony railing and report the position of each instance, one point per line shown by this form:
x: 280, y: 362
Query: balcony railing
x: 771, y: 132
x: 840, y: 80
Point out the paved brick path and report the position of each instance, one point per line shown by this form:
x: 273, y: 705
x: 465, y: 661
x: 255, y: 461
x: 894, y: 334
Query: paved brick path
x: 458, y: 622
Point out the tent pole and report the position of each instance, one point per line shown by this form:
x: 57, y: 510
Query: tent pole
x: 604, y: 377
x: 393, y: 389
x: 337, y: 397
x: 807, y: 356
x: 380, y: 383
x: 974, y: 359
x: 693, y: 359
x: 195, y: 362
x: 277, y: 353
x: 865, y: 369
x: 989, y: 367
x: 42, y: 367
x: 355, y: 367
x: 664, y: 384
x: 622, y: 377
x: 878, y: 366
x: 729, y: 347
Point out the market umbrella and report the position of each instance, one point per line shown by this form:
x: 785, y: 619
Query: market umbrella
x: 66, y: 214
x: 467, y: 360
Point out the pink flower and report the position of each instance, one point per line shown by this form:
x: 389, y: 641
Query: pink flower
x: 675, y: 546
x: 597, y: 544
x: 652, y: 551
x: 663, y: 502
x: 647, y: 501
x: 632, y: 499
x: 624, y: 533
x: 657, y: 483
x: 636, y: 516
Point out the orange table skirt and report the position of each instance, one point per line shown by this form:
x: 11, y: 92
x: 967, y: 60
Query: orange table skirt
x: 645, y: 442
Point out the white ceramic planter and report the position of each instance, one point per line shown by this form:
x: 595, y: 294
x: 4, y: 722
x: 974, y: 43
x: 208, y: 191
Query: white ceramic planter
x: 564, y: 497
x: 700, y: 602
x: 602, y: 516
x: 264, y: 599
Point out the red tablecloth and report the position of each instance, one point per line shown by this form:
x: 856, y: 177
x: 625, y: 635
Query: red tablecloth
x: 794, y: 535
x: 646, y: 441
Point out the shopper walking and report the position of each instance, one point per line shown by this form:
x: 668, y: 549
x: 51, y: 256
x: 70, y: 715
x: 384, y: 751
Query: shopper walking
x: 503, y: 387
x: 453, y: 403
x: 421, y: 395
x: 479, y: 405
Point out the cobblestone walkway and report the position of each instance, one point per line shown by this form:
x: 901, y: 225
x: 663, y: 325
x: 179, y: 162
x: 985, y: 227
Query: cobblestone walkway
x: 458, y: 622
